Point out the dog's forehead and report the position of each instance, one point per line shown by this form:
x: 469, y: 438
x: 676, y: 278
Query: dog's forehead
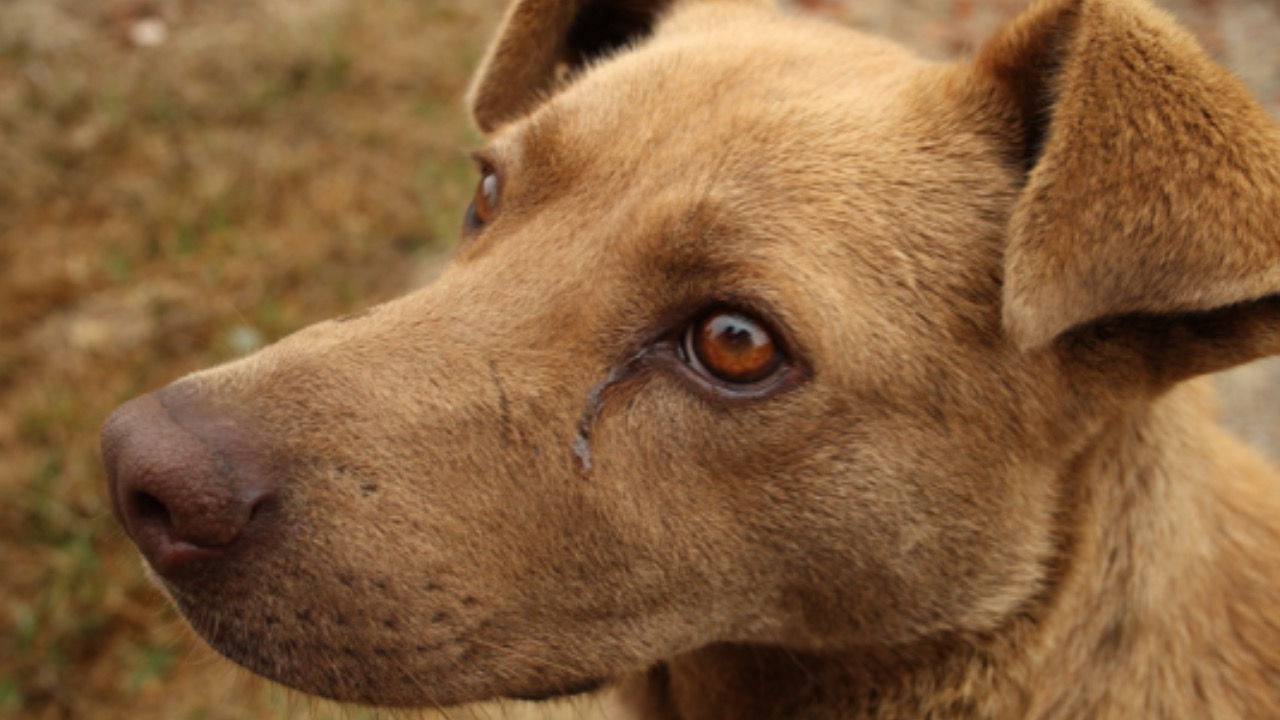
x: 722, y: 81
x: 780, y: 120
x: 775, y: 156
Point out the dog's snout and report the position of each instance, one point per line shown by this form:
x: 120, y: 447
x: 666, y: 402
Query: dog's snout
x: 187, y: 481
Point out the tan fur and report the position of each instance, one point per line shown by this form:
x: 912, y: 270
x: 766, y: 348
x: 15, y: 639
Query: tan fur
x: 995, y: 488
x: 1167, y: 156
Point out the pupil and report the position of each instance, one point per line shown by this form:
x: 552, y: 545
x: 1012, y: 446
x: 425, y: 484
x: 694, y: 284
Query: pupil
x: 737, y: 335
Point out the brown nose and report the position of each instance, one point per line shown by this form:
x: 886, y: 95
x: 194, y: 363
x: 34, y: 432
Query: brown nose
x: 190, y: 483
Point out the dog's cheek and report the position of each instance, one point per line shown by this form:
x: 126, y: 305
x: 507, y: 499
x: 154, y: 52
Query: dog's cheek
x: 921, y: 534
x: 718, y: 499
x: 826, y: 522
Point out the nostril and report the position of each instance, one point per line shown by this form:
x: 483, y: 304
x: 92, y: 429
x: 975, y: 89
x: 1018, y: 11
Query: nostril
x: 150, y: 511
x: 259, y: 506
x: 190, y: 482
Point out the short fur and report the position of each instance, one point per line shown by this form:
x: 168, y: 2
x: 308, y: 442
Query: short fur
x: 994, y: 490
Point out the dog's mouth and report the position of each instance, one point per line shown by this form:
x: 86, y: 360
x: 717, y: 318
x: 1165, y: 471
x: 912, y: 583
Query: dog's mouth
x: 578, y: 688
x: 354, y: 661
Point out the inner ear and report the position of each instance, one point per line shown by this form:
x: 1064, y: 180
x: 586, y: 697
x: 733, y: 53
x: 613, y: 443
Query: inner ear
x: 603, y: 26
x: 1026, y: 60
x: 543, y: 42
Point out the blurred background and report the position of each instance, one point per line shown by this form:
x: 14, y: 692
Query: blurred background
x: 184, y: 181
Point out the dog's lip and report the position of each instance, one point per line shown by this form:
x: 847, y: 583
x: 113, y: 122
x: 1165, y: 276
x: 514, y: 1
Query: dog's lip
x: 178, y: 555
x: 576, y: 688
x: 226, y: 633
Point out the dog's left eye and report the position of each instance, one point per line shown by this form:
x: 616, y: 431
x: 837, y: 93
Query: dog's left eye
x: 484, y: 205
x: 732, y: 346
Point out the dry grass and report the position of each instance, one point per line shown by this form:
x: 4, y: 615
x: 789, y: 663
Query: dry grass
x: 166, y: 207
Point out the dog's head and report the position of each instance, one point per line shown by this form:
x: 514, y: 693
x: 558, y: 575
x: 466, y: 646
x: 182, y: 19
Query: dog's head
x: 761, y: 331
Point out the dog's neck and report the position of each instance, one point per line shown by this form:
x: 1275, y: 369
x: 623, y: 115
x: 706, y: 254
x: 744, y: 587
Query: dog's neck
x: 1166, y: 583
x: 1172, y: 569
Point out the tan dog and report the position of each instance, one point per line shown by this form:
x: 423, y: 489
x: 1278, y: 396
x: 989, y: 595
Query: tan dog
x: 781, y: 374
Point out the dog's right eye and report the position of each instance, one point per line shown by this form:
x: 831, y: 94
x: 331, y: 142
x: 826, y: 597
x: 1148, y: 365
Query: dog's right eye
x: 733, y: 347
x: 484, y: 205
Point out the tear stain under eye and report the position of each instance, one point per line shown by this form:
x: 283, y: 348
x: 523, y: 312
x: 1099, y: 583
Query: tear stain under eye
x: 595, y: 404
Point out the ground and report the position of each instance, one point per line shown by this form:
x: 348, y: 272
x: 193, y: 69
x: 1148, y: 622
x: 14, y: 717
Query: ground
x: 182, y: 182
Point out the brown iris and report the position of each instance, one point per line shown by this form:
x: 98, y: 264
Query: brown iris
x: 734, y: 347
x: 484, y: 206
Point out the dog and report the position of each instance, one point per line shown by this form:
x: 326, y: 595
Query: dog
x: 779, y: 374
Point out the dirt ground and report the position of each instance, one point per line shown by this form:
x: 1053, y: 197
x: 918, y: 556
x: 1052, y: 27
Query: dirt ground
x: 182, y: 182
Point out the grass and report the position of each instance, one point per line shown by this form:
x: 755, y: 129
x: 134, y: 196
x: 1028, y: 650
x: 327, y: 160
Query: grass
x: 165, y: 208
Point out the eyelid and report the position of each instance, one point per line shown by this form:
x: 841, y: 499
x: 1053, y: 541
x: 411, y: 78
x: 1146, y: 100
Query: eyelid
x: 666, y: 348
x: 484, y: 161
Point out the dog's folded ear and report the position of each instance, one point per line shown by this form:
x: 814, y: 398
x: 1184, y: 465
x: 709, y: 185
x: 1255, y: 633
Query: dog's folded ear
x: 1153, y: 187
x: 541, y: 42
